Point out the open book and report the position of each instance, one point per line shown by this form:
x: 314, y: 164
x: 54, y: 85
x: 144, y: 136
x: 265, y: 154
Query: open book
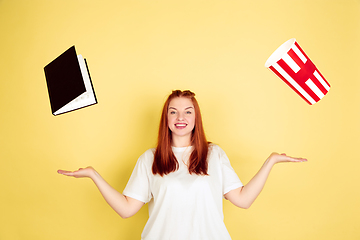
x: 69, y: 83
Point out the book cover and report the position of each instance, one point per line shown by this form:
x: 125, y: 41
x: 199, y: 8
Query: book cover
x: 69, y: 83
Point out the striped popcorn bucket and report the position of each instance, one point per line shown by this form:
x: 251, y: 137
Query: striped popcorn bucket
x: 290, y: 63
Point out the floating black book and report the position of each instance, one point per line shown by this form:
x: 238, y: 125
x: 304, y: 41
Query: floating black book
x: 69, y: 83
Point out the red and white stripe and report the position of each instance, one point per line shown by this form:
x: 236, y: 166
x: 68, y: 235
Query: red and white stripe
x: 299, y: 72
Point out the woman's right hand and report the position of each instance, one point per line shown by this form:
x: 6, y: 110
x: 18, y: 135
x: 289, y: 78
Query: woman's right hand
x: 81, y: 173
x: 123, y: 205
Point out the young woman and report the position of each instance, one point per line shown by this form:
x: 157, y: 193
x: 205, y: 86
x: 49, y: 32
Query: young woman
x: 184, y: 179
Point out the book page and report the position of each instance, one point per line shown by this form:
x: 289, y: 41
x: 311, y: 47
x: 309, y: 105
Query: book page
x: 85, y: 99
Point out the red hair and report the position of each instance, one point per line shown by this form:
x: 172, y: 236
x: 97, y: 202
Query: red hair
x: 164, y: 159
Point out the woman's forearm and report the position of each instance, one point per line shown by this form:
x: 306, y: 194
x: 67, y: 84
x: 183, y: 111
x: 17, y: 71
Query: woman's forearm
x: 253, y: 188
x: 123, y: 205
x: 245, y: 196
x: 116, y: 200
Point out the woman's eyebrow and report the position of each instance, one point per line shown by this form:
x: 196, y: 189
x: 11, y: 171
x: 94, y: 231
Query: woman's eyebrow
x: 185, y: 108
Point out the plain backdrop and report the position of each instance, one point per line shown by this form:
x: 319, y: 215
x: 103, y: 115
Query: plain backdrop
x: 138, y: 52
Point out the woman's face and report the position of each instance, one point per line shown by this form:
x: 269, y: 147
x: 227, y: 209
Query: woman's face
x: 181, y: 118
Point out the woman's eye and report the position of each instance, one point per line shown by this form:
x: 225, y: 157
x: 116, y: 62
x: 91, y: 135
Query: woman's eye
x: 172, y: 112
x: 188, y: 112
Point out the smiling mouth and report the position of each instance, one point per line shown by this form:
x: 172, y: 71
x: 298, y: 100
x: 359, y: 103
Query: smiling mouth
x: 180, y: 125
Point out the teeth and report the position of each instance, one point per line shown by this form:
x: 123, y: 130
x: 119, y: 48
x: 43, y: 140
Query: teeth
x: 180, y: 125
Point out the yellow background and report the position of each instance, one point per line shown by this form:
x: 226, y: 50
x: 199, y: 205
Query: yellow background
x: 138, y: 51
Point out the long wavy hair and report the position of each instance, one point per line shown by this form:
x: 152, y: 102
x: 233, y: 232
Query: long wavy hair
x: 164, y: 159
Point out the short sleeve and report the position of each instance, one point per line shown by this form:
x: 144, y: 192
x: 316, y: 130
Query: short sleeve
x: 138, y: 186
x: 230, y: 179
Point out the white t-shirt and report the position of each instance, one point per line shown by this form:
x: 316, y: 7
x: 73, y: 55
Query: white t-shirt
x: 184, y: 206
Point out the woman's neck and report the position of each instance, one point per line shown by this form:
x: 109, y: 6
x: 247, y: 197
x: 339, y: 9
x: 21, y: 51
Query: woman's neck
x: 181, y: 142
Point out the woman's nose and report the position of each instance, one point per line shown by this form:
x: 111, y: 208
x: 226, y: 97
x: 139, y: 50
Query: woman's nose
x: 180, y: 116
